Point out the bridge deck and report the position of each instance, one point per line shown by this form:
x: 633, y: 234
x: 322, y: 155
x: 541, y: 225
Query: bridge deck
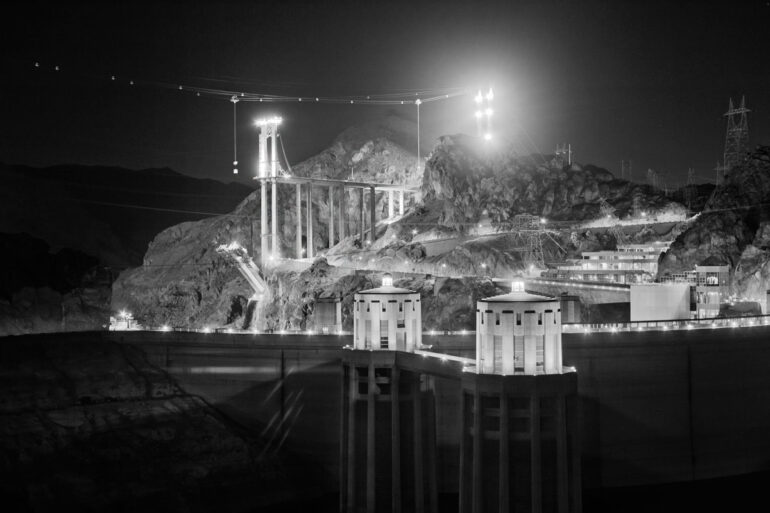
x: 334, y: 183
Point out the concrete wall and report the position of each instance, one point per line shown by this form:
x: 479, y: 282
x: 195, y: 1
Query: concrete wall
x: 660, y: 302
x: 587, y: 292
x: 656, y: 407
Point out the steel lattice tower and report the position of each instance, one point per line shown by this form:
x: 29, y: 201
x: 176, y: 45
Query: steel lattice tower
x: 689, y: 189
x: 737, y: 136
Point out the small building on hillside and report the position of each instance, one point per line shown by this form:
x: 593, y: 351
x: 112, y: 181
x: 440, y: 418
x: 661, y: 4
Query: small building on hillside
x: 630, y: 263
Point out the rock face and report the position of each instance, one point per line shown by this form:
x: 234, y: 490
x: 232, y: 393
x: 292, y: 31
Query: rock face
x: 447, y: 303
x: 471, y: 182
x: 41, y: 291
x: 89, y: 425
x: 184, y: 282
x: 734, y: 229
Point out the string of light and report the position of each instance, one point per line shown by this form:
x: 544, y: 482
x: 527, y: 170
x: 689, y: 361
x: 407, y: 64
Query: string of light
x: 405, y: 97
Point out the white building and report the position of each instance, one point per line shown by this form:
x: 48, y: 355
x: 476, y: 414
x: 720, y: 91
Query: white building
x: 660, y: 301
x: 712, y: 286
x: 518, y: 333
x: 387, y: 318
x: 630, y: 263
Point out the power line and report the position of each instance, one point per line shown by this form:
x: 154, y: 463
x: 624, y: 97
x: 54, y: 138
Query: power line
x: 406, y: 97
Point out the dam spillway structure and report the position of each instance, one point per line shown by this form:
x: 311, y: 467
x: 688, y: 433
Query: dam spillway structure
x: 388, y: 433
x: 519, y: 446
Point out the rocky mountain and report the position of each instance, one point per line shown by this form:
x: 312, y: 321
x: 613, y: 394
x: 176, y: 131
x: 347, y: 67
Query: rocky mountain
x: 45, y: 291
x: 471, y: 181
x: 184, y: 281
x: 733, y: 229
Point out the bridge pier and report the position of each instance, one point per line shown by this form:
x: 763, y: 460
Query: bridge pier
x: 341, y: 213
x: 331, y: 216
x: 372, y: 214
x: 309, y: 229
x: 361, y: 214
x: 391, y: 206
x: 263, y: 222
x: 299, y: 220
x: 401, y: 202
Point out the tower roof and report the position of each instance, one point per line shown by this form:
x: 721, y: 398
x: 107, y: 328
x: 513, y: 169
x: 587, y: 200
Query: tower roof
x: 387, y: 290
x: 519, y: 297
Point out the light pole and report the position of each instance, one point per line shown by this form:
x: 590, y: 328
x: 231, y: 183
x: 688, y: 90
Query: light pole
x: 418, y: 102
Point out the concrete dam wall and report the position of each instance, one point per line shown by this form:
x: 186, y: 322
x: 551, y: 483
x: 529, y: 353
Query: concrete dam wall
x: 655, y: 407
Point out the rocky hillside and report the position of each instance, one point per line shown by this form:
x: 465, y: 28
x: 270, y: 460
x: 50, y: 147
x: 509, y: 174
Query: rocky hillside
x: 89, y: 425
x: 45, y: 291
x: 447, y: 304
x: 471, y: 182
x: 185, y: 282
x: 734, y: 229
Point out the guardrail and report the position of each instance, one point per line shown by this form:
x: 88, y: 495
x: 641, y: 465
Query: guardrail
x: 665, y: 325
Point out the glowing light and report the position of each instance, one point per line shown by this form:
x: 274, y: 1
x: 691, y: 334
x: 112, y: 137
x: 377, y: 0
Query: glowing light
x: 275, y: 120
x: 206, y: 329
x: 418, y: 102
x: 387, y: 280
x: 165, y: 327
x: 490, y: 95
x: 517, y: 286
x: 487, y: 136
x: 479, y: 98
x: 478, y: 114
x: 542, y: 220
x: 414, y: 232
x: 489, y: 112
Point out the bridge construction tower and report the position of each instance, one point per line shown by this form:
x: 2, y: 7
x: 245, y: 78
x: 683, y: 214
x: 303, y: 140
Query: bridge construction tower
x: 519, y: 446
x: 736, y: 137
x: 267, y: 172
x: 388, y: 425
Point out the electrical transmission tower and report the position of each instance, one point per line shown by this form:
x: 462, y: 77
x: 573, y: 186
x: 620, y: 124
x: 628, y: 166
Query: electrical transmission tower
x: 625, y: 170
x: 530, y: 229
x: 564, y: 152
x: 652, y: 178
x: 689, y: 189
x: 737, y: 136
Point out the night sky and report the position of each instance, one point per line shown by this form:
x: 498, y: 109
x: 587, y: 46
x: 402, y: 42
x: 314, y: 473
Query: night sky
x: 645, y: 81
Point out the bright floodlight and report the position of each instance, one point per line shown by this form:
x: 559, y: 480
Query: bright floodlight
x: 487, y: 136
x: 387, y: 280
x: 490, y: 95
x: 489, y: 112
x: 275, y: 120
x: 478, y: 98
x: 479, y: 114
x: 517, y: 286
